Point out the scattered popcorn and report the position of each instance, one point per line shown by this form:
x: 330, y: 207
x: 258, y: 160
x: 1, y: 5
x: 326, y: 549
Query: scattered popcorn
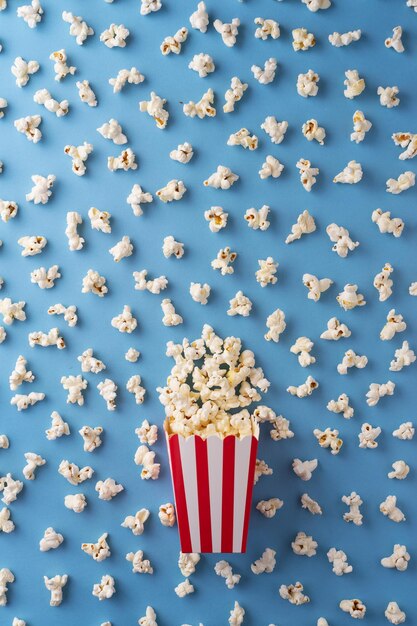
x: 304, y: 545
x: 351, y: 359
x: 115, y: 36
x: 399, y: 559
x: 174, y: 43
x: 240, y: 305
x: 395, y: 324
x: 199, y: 19
x: 378, y: 391
x: 147, y: 433
x: 150, y: 6
x: 125, y: 161
x: 171, y: 317
x: 155, y: 108
x: 394, y: 614
x: 383, y: 283
x: 404, y: 357
x: 303, y: 347
x: 184, y: 589
x: 304, y: 226
x: 42, y: 96
x: 55, y: 586
x: 173, y: 190
x: 217, y: 218
x: 276, y: 325
x: 183, y: 154
x: 94, y: 283
x: 75, y: 385
x: 386, y: 224
x: 261, y: 469
x: 223, y: 261
x: 187, y: 563
x: 98, y: 551
x: 200, y: 293
x: 368, y: 435
x: 150, y: 618
x: 395, y: 42
x: 341, y: 405
x: 31, y: 13
x: 302, y: 39
x: 121, y: 249
x: 139, y: 564
x: 172, y: 248
x: 61, y: 69
x: 10, y: 489
x: 132, y: 76
x: 154, y: 286
x: 100, y: 220
x: 202, y: 64
x: 4, y: 442
x: 307, y: 84
x: 268, y: 508
x: 257, y: 219
x: 78, y: 27
x: 344, y: 39
x: 243, y: 138
x: 360, y: 127
x: 412, y: 4
x: 265, y: 75
x: 232, y: 95
x: 304, y: 469
x: 341, y: 239
x: 203, y: 107
x: 91, y: 437
x: 22, y: 70
x: 276, y: 130
x: 3, y: 334
x: 167, y: 514
x: 133, y: 386
x: 400, y: 470
x: 86, y: 94
x: 33, y: 461
x: 405, y: 431
x: 412, y: 290
x: 236, y: 615
x: 329, y: 439
x: 45, y: 279
x: 137, y: 197
x: 349, y: 298
x: 351, y: 174
x: 311, y: 130
x: 22, y: 402
x: 266, y: 28
x: 113, y: 131
x: 75, y: 242
x: 228, y: 32
x: 108, y: 389
x: 354, y: 502
x: 58, y: 429
x: 307, y: 173
x: 41, y: 191
x: 316, y: 286
x: 105, y: 588
x: 136, y: 523
x: 20, y: 375
x: 146, y: 458
x: 316, y: 5
x: 51, y: 540
x: 265, y: 275
x: 402, y: 183
x: 108, y: 489
x: 311, y: 505
x: 354, y: 84
x: 8, y: 210
x: 266, y: 563
x: 73, y: 473
x: 338, y: 559
x: 389, y: 509
x: 388, y: 96
x: 224, y: 569
x: 222, y: 178
x: 408, y: 141
x: 6, y: 524
x: 12, y: 311
x: 294, y: 593
x: 271, y: 167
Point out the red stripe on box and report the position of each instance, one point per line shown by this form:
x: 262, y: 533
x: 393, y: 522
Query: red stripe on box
x: 204, y: 512
x: 251, y: 476
x: 228, y: 489
x: 179, y: 492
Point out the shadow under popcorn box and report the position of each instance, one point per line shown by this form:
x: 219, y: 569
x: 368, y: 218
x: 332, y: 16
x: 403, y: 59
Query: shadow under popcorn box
x: 213, y: 481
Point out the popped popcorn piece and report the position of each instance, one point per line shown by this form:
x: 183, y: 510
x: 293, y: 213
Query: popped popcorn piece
x: 167, y: 514
x: 10, y: 488
x: 200, y: 293
x: 3, y: 334
x: 341, y: 405
x: 86, y: 93
x: 281, y: 426
x: 302, y: 39
x: 108, y: 489
x: 395, y: 324
x: 223, y: 261
x: 407, y: 141
x: 307, y: 173
x: 45, y: 278
x: 150, y: 618
x: 404, y: 431
x: 257, y: 219
x: 240, y: 305
x: 341, y: 239
x: 22, y: 70
x: 329, y: 439
x: 307, y: 84
x: 124, y: 161
x: 51, y: 540
x: 137, y: 197
x: 383, y: 283
x: 233, y: 94
x: 147, y: 433
x: 349, y: 298
x: 12, y: 311
x: 276, y: 130
x: 304, y: 545
x: 404, y: 357
x: 75, y: 385
x: 351, y: 359
x: 265, y: 75
x: 316, y: 286
x: 33, y: 461
x: 171, y: 317
x: 154, y: 286
x: 58, y: 429
x: 78, y: 27
x: 294, y: 593
x: 216, y: 217
x: 350, y: 175
x: 303, y: 347
x: 368, y: 435
x: 389, y: 508
x: 6, y: 524
x: 133, y: 386
x: 100, y: 220
x: 171, y: 247
x: 20, y: 375
x: 150, y: 6
x: 266, y: 563
x: 202, y: 64
x: 94, y: 283
x: 4, y: 442
x: 91, y: 437
x: 338, y: 560
x: 224, y: 569
x: 139, y: 564
x: 412, y: 290
x: 184, y: 589
x: 121, y: 249
x: 395, y: 42
x: 187, y: 562
x: 174, y: 43
x: 402, y: 183
x: 360, y: 127
x: 75, y: 242
x: 22, y: 402
x: 132, y: 76
x: 311, y: 130
x: 55, y: 586
x: 268, y: 508
x: 261, y: 469
x: 31, y: 13
x: 398, y: 560
x: 155, y: 108
x: 108, y: 389
x: 311, y: 505
x: 42, y: 96
x: 183, y: 154
x: 271, y: 167
x: 136, y: 523
x: 354, y: 84
x: 265, y: 275
x: 115, y: 36
x: 400, y: 470
x: 412, y: 4
x: 353, y: 501
x: 61, y: 69
x: 113, y: 131
x: 316, y: 5
x: 378, y: 391
x: 393, y: 612
x: 344, y: 39
x: 146, y: 458
x: 388, y: 96
x: 202, y: 108
x: 276, y: 325
x: 222, y: 178
x: 105, y: 588
x: 173, y: 190
x: 42, y: 189
x: 243, y: 138
x: 304, y: 226
x: 304, y: 469
x: 228, y: 32
x: 73, y: 473
x: 32, y: 244
x: 387, y: 224
x: 98, y: 551
x: 125, y: 322
x: 199, y: 19
x: 236, y: 615
x: 266, y: 28
x: 8, y: 210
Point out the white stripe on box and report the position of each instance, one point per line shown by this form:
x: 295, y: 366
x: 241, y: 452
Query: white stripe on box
x: 215, y: 468
x: 189, y: 474
x: 242, y: 457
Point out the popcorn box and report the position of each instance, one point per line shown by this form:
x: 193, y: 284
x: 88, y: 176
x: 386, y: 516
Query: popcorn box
x: 212, y: 480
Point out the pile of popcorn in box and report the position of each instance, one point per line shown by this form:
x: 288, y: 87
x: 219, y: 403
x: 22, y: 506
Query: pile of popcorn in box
x: 212, y: 395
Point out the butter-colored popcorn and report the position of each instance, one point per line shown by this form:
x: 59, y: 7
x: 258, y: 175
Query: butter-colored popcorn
x: 276, y: 130
x: 222, y: 178
x: 316, y: 286
x: 167, y: 514
x: 170, y: 316
x: 398, y: 560
x: 360, y: 127
x: 338, y: 560
x: 45, y: 278
x: 351, y: 359
x: 108, y: 489
x: 232, y: 95
x: 393, y: 612
x: 224, y: 569
x: 6, y: 524
x: 344, y: 39
x: 307, y: 173
x: 100, y: 220
x: 203, y: 64
x: 311, y: 505
x: 125, y: 161
x: 146, y: 458
x: 304, y: 469
x: 20, y: 375
x: 341, y: 405
x: 302, y: 39
x: 349, y: 298
x: 133, y: 385
x: 265, y: 275
x: 33, y: 461
x: 139, y: 564
x: 378, y: 391
x: 329, y: 439
x: 174, y: 43
x: 22, y: 70
x: 155, y: 108
x: 202, y: 108
x: 61, y: 69
x: 115, y: 36
x: 31, y: 13
x: 200, y: 19
x: 75, y: 242
x: 12, y: 311
x: 276, y: 325
x: 311, y: 130
x: 154, y: 286
x: 404, y: 357
x: 407, y: 141
x: 240, y: 305
x: 23, y: 402
x: 74, y: 474
x: 395, y: 324
x: 42, y: 96
x: 184, y: 588
x: 268, y: 508
x: 368, y: 435
x: 223, y: 261
x: 28, y: 126
x: 350, y: 175
x: 261, y: 469
x: 388, y: 224
x: 187, y: 563
x: 395, y: 42
x: 265, y: 75
x: 4, y: 442
x: 183, y: 154
x: 136, y: 523
x: 105, y: 589
x: 389, y: 508
x: 51, y: 540
x: 388, y: 96
x: 94, y: 283
x: 200, y: 293
x: 257, y: 218
x: 217, y: 218
x: 86, y: 93
x: 59, y: 427
x: 383, y: 283
x: 303, y: 347
x: 400, y: 470
x: 228, y: 32
x: 294, y: 593
x: 237, y: 615
x: 108, y: 389
x: 405, y: 431
x: 341, y: 239
x: 150, y: 618
x: 78, y: 27
x: 304, y: 545
x: 171, y: 247
x: 173, y: 190
x: 266, y: 563
x: 353, y: 501
x: 55, y: 585
x: 91, y: 437
x: 75, y: 385
x: 354, y: 84
x: 113, y: 131
x: 271, y: 167
x: 266, y: 28
x: 243, y: 138
x: 10, y: 489
x: 402, y: 183
x: 98, y: 551
x: 150, y: 6
x: 51, y: 338
x: 8, y: 210
x: 132, y: 76
x: 307, y: 84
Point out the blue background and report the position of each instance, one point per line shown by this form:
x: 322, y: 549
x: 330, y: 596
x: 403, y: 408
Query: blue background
x: 41, y: 503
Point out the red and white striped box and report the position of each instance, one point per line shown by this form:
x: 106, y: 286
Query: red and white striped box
x: 213, y: 482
